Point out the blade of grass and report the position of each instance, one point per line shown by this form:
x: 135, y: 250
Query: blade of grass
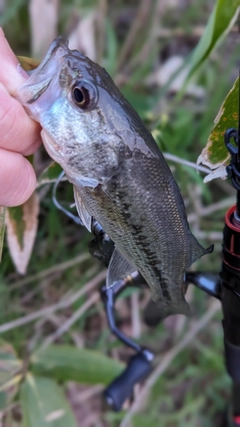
x: 51, y: 270
x: 219, y: 24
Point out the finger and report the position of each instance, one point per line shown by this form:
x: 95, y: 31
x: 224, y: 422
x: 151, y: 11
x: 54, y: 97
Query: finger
x: 9, y: 74
x: 17, y: 179
x: 17, y: 131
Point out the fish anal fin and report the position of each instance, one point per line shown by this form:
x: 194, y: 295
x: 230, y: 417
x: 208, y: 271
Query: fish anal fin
x: 198, y: 251
x: 119, y: 268
x: 168, y: 310
x: 82, y: 211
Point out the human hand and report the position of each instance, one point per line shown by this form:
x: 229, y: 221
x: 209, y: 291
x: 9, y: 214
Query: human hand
x: 19, y: 135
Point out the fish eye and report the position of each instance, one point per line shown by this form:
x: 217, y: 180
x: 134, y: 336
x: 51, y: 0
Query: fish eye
x: 81, y: 96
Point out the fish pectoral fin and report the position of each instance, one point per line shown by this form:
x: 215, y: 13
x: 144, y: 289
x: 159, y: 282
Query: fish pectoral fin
x: 82, y: 211
x: 119, y: 268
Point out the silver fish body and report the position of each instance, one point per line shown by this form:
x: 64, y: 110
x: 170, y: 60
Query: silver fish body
x: 119, y: 175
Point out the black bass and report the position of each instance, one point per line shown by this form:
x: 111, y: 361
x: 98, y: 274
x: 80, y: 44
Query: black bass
x: 120, y: 177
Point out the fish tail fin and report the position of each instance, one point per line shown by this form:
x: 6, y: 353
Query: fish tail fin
x: 198, y: 251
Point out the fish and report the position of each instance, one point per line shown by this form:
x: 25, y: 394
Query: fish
x: 120, y: 177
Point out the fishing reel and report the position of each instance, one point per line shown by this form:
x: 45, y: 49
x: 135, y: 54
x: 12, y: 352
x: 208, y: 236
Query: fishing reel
x: 141, y: 364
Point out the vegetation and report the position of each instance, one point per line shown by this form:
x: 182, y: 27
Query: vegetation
x: 56, y: 353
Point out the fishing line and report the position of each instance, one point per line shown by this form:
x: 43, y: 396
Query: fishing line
x: 75, y: 218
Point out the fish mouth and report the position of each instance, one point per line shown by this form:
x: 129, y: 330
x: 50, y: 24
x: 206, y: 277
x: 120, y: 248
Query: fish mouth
x: 41, y: 77
x: 57, y: 50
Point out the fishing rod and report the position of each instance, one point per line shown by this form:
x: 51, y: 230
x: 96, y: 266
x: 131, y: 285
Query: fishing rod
x: 224, y: 286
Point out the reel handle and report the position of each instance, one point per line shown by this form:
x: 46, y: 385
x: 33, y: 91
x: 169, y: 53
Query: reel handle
x: 122, y: 387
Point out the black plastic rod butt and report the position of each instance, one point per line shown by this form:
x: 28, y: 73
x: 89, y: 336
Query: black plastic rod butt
x: 232, y: 355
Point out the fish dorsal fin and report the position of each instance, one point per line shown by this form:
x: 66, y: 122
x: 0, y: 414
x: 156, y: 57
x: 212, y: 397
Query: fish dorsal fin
x: 119, y: 268
x: 82, y: 211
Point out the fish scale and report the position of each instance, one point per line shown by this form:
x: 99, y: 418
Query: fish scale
x: 120, y: 177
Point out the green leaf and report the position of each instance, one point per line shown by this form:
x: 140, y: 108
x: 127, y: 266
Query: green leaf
x: 219, y: 24
x: 2, y: 228
x: 50, y: 174
x: 44, y: 404
x: 67, y: 363
x: 215, y: 155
